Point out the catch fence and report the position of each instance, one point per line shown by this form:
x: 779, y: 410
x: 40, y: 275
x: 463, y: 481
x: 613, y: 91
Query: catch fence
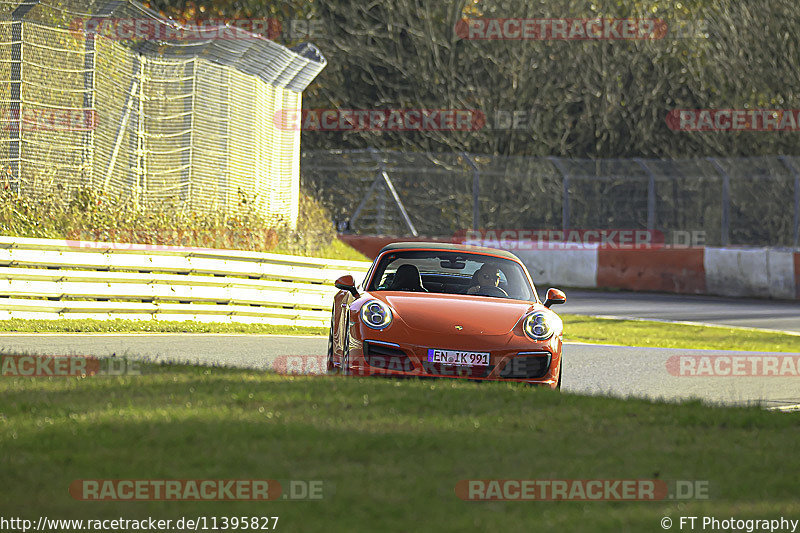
x: 718, y: 201
x: 110, y: 96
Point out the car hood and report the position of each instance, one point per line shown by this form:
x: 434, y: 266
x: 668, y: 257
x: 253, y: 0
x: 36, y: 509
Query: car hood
x: 442, y: 313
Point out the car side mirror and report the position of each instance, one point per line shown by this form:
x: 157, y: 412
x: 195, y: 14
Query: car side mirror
x: 555, y: 296
x: 347, y: 283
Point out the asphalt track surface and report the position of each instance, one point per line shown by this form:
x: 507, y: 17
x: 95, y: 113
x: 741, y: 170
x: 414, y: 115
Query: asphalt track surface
x: 766, y: 314
x: 590, y: 369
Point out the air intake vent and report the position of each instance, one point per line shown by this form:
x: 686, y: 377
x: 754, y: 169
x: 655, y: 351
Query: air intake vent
x: 526, y: 365
x: 380, y: 355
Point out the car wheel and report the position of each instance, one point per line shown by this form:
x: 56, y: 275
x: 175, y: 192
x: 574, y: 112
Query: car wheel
x: 331, y: 368
x: 344, y: 367
x: 560, y: 368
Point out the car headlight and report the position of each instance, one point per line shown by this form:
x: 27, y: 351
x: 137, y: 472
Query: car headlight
x: 376, y: 314
x: 540, y: 326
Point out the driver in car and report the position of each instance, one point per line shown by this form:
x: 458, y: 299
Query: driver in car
x: 487, y: 278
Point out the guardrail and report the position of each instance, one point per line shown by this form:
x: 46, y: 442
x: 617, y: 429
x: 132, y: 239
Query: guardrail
x: 50, y: 279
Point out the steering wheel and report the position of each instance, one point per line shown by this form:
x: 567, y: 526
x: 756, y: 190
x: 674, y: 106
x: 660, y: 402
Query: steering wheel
x: 491, y: 291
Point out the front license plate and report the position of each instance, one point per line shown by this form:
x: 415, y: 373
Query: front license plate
x: 454, y: 357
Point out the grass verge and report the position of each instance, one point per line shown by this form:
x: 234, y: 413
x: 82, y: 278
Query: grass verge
x: 389, y: 453
x: 578, y: 329
x: 594, y: 330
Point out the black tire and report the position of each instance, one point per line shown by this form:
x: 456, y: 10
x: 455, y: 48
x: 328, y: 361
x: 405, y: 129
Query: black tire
x: 560, y: 368
x: 344, y: 367
x: 331, y: 368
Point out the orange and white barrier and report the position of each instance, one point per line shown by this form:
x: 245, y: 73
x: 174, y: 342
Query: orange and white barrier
x: 740, y: 272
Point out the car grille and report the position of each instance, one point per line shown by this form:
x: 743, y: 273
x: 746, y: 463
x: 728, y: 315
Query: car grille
x: 526, y: 365
x: 380, y: 355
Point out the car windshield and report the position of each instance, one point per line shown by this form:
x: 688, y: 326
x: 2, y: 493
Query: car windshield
x: 451, y: 273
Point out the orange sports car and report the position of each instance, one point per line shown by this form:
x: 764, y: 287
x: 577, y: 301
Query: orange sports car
x: 446, y: 310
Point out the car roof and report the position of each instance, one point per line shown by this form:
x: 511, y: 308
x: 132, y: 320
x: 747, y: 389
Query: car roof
x: 450, y: 247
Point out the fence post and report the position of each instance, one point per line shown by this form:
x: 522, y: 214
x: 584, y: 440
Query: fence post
x: 15, y: 116
x: 476, y: 189
x: 726, y: 202
x: 135, y: 147
x: 383, y: 177
x: 89, y: 51
x: 188, y: 121
x: 375, y: 188
x: 89, y: 87
x: 228, y: 74
x: 123, y: 124
x: 381, y: 216
x: 651, y: 194
x: 796, y: 221
x: 797, y: 210
x: 564, y: 192
x: 141, y: 150
x: 362, y: 204
x: 399, y: 203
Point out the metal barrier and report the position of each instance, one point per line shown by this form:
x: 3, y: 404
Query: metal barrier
x: 51, y: 279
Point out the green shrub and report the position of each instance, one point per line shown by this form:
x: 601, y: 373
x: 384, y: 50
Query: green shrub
x: 91, y: 216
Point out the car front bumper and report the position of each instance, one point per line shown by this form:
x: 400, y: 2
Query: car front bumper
x: 538, y: 365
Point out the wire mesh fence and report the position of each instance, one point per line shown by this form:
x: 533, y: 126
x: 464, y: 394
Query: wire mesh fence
x: 110, y: 96
x: 728, y: 201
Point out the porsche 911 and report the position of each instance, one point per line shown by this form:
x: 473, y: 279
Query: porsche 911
x: 446, y: 311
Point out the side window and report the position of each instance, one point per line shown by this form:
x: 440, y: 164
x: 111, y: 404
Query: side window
x: 386, y: 280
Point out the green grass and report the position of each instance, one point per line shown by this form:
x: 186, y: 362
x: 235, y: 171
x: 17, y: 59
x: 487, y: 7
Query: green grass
x: 578, y: 329
x: 337, y: 250
x: 666, y: 335
x: 389, y: 452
